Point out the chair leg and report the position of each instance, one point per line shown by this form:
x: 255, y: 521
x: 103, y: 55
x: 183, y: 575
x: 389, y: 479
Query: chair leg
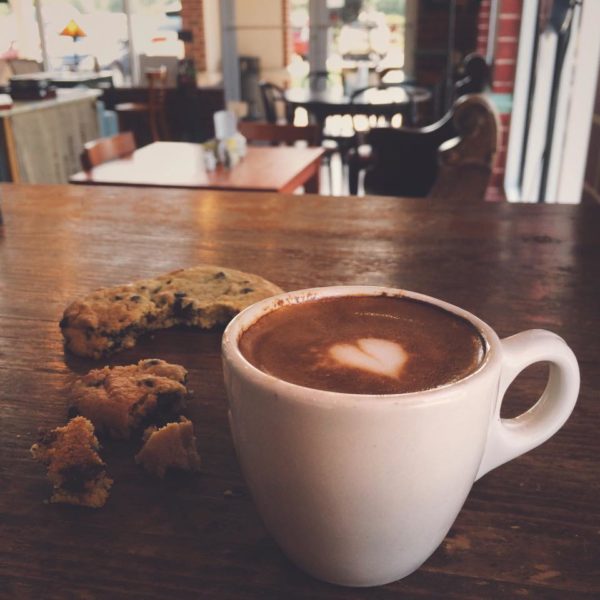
x: 154, y: 126
x: 330, y: 177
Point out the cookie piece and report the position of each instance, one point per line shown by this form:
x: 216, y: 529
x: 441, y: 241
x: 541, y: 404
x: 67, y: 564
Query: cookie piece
x: 74, y: 466
x: 171, y: 446
x: 113, y: 318
x: 119, y: 400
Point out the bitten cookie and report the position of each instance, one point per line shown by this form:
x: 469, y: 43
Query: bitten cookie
x: 113, y: 318
x: 119, y: 400
x: 171, y: 446
x: 74, y: 466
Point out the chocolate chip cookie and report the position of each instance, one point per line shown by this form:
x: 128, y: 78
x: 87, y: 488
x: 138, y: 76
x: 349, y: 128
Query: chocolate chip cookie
x: 119, y: 400
x: 171, y: 446
x: 113, y: 318
x: 74, y: 466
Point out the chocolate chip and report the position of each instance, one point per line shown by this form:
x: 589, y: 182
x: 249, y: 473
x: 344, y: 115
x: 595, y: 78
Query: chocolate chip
x: 75, y: 477
x: 180, y: 294
x: 246, y: 290
x: 180, y: 311
x: 135, y: 298
x: 148, y: 382
x: 168, y: 281
x: 118, y: 297
x: 166, y: 400
x: 157, y: 289
x: 219, y: 275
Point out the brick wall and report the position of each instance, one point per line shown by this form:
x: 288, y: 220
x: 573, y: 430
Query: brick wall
x: 288, y: 45
x: 503, y: 73
x: 483, y: 27
x: 192, y: 16
x: 591, y: 186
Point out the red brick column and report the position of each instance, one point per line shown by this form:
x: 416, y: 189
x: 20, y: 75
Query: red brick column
x: 483, y: 27
x: 503, y: 72
x: 192, y: 16
x: 288, y: 46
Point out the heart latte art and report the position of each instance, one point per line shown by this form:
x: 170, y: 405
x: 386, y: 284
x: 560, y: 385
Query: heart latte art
x: 364, y: 345
x: 381, y: 357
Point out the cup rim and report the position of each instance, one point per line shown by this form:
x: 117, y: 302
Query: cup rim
x: 247, y: 317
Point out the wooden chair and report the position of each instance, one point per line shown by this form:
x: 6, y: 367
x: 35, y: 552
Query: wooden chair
x: 155, y: 108
x: 102, y: 150
x: 451, y: 158
x: 276, y: 135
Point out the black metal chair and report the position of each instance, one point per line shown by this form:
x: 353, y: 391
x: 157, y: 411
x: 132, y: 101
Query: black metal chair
x: 272, y: 95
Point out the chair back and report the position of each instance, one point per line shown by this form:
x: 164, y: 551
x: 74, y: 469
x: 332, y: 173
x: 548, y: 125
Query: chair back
x: 279, y: 134
x: 474, y: 75
x: 452, y: 157
x: 102, y: 150
x: 272, y: 95
x: 465, y: 162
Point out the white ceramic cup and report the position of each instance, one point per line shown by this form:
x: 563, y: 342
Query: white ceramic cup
x: 359, y: 490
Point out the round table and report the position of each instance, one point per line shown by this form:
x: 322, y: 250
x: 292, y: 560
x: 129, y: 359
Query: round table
x: 386, y: 101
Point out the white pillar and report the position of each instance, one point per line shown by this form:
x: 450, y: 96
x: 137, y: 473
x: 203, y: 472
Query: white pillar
x: 318, y: 15
x: 229, y: 52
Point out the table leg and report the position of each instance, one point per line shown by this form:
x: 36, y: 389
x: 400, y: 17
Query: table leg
x: 312, y: 183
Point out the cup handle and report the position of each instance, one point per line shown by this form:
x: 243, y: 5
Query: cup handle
x: 509, y: 438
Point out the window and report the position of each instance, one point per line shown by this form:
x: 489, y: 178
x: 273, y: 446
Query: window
x: 120, y: 35
x: 19, y: 36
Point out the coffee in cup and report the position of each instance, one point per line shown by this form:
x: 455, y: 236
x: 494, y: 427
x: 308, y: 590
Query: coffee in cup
x: 364, y: 345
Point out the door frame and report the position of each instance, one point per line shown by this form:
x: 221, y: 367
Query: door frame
x: 569, y: 152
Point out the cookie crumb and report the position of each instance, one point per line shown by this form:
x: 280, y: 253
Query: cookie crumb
x: 171, y: 446
x: 75, y: 468
x: 120, y: 400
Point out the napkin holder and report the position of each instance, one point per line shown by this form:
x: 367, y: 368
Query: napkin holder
x: 229, y: 145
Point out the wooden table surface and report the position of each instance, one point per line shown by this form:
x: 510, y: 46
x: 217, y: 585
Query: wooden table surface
x: 181, y: 164
x: 529, y: 529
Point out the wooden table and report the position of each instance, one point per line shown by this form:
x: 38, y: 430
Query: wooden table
x: 71, y: 79
x: 181, y: 164
x: 529, y: 529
